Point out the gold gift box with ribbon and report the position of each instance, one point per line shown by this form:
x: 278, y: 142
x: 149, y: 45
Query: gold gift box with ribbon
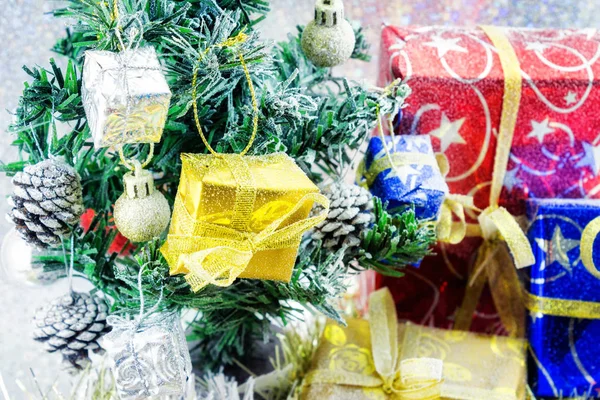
x: 379, y: 359
x: 239, y: 217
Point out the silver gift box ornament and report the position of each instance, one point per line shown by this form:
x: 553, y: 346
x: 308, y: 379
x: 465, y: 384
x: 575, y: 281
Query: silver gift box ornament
x: 150, y: 359
x: 125, y: 96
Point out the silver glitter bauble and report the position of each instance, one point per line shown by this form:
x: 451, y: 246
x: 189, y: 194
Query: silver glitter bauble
x: 46, y: 203
x: 141, y: 213
x: 72, y: 325
x: 20, y: 267
x: 329, y: 39
x: 349, y: 215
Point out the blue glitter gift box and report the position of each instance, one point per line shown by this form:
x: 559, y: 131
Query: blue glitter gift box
x: 564, y: 299
x: 406, y: 174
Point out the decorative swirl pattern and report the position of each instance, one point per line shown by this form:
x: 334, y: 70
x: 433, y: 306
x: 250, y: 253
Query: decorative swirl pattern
x: 150, y: 359
x: 549, y: 59
x: 352, y: 358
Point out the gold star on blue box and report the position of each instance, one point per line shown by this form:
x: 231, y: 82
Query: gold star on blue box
x: 563, y: 300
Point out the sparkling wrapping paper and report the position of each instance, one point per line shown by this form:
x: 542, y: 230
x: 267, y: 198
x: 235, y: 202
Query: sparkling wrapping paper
x: 209, y: 193
x: 150, y: 360
x: 475, y: 366
x: 125, y: 96
x: 414, y: 179
x: 565, y: 354
x: 456, y: 79
x: 457, y: 82
x: 33, y: 31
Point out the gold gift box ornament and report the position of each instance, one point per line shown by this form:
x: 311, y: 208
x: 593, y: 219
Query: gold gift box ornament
x: 381, y: 360
x: 238, y: 216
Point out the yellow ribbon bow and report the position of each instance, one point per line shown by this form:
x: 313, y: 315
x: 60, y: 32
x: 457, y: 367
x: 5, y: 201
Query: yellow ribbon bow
x: 228, y: 251
x: 409, y: 379
x: 447, y: 230
x: 498, y: 227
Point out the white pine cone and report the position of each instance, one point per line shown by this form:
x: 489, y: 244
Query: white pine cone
x: 72, y: 325
x: 349, y: 215
x: 46, y: 203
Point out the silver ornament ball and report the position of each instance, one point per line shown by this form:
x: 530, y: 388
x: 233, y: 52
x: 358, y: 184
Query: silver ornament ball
x: 141, y: 213
x: 18, y: 266
x: 329, y: 39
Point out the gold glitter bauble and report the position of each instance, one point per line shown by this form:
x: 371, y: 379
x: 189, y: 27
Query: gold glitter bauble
x: 141, y: 213
x: 329, y: 39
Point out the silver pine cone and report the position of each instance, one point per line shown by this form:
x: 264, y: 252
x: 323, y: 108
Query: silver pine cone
x: 349, y: 215
x: 72, y: 325
x: 47, y: 201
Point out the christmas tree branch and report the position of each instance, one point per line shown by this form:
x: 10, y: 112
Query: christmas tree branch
x: 316, y: 118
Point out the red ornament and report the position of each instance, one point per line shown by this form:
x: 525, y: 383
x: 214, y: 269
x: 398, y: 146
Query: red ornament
x: 120, y: 244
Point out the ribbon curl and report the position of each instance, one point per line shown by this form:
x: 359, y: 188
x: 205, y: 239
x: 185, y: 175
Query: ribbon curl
x: 409, y: 379
x: 447, y: 230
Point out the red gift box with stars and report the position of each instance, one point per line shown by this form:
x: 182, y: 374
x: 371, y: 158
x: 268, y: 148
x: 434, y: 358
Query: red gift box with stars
x: 457, y: 83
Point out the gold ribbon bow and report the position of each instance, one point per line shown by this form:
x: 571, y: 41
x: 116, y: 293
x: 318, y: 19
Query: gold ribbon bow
x: 498, y: 227
x: 228, y: 251
x: 447, y: 230
x: 409, y: 379
x: 567, y: 307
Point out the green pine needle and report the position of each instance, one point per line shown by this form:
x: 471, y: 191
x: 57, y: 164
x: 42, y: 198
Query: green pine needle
x: 313, y: 116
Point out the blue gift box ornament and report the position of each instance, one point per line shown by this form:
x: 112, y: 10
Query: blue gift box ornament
x: 406, y: 174
x: 564, y: 298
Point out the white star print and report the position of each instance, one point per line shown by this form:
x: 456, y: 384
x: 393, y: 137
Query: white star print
x: 591, y: 158
x: 448, y: 132
x: 511, y: 180
x: 403, y: 173
x: 557, y: 249
x: 540, y: 129
x: 443, y: 46
x: 536, y: 46
x: 571, y: 98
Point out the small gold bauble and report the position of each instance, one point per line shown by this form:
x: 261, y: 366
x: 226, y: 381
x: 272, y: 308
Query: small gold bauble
x: 141, y: 213
x: 329, y: 39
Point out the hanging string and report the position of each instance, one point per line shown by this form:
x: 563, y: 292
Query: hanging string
x: 385, y: 92
x: 383, y: 141
x: 132, y: 164
x: 239, y: 38
x: 142, y: 313
x: 141, y: 292
x: 115, y: 18
x: 69, y: 264
x: 133, y: 32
